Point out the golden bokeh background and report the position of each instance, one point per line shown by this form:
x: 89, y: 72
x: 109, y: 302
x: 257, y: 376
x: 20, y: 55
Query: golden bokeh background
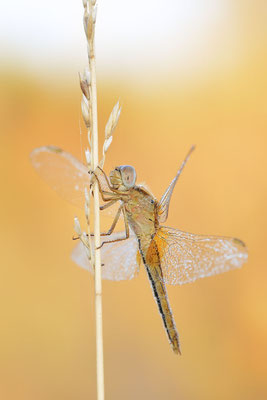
x: 47, y: 330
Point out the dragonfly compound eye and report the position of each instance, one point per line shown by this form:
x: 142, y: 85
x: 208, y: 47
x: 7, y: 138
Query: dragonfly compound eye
x: 128, y: 176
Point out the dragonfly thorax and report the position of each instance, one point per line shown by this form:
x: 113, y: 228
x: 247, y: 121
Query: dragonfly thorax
x: 123, y: 177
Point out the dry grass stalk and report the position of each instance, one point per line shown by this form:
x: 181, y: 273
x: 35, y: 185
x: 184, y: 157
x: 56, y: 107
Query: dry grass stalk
x: 89, y: 113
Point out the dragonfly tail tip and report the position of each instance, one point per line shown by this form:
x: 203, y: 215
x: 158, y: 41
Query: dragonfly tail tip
x: 177, y: 350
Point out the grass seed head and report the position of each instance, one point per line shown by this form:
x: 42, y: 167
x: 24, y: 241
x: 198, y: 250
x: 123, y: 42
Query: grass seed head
x: 85, y: 112
x: 85, y: 83
x: 107, y: 143
x: 77, y: 226
x: 113, y: 120
x: 88, y: 157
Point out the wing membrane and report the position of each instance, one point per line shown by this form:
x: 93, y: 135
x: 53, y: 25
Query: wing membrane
x: 119, y: 260
x: 163, y: 207
x: 164, y: 204
x: 186, y: 257
x: 63, y: 172
x: 66, y: 175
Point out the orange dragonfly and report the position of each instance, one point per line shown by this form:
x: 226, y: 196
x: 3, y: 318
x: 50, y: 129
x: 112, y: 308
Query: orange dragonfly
x: 169, y: 255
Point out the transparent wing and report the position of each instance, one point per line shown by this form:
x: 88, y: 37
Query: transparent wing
x: 65, y: 174
x: 120, y: 260
x: 186, y: 257
x: 163, y: 206
x: 164, y: 203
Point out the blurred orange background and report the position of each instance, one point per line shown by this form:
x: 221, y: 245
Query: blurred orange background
x: 47, y: 331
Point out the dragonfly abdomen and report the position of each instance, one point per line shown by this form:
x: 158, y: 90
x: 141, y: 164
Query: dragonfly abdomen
x: 151, y: 260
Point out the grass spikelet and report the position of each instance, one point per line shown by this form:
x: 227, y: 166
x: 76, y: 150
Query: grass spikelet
x: 77, y: 226
x: 109, y: 129
x: 113, y: 120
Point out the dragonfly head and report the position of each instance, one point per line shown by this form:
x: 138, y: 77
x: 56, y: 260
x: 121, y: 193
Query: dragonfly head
x: 123, y: 177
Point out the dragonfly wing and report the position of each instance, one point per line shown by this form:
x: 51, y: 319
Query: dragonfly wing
x: 63, y: 172
x: 120, y: 260
x: 66, y: 175
x: 186, y: 257
x: 163, y: 206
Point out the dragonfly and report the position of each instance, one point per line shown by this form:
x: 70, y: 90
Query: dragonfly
x: 170, y: 256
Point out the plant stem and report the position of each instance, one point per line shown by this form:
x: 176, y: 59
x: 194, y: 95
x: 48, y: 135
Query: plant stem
x: 98, y: 282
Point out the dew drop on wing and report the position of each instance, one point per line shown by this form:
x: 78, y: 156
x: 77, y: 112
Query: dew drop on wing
x: 119, y: 261
x: 186, y: 257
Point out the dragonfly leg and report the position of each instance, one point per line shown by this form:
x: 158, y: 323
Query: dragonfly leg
x: 114, y: 223
x: 111, y: 202
x: 103, y: 193
x: 110, y: 195
x: 106, y: 178
x: 127, y: 230
x: 107, y: 181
